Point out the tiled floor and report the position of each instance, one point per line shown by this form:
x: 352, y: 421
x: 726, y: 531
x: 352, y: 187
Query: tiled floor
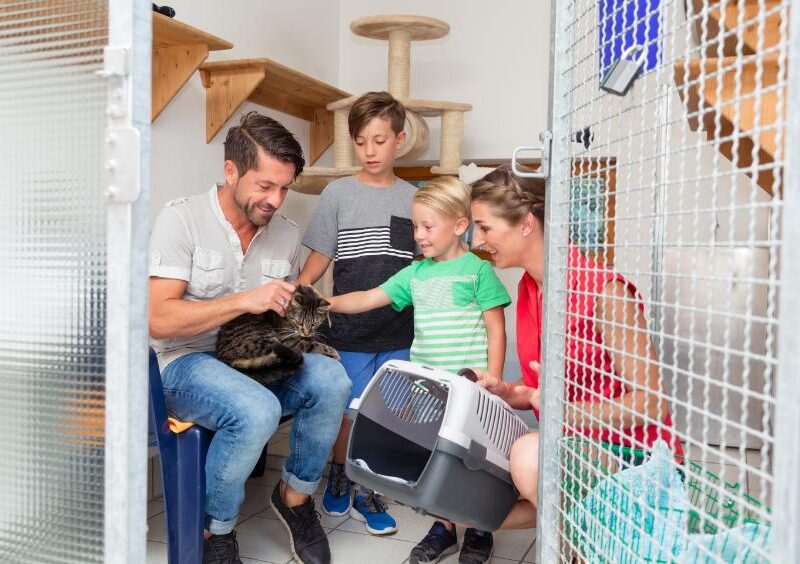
x: 262, y: 538
x: 735, y: 466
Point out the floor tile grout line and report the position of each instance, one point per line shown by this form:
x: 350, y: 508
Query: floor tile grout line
x: 530, y: 549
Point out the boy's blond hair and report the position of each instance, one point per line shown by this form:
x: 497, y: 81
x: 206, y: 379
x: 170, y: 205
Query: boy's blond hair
x: 376, y: 105
x: 447, y: 196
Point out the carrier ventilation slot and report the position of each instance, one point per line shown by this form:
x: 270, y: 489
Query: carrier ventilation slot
x: 501, y: 427
x: 409, y: 399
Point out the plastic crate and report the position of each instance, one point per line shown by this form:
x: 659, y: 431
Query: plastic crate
x: 712, y: 500
x: 436, y: 442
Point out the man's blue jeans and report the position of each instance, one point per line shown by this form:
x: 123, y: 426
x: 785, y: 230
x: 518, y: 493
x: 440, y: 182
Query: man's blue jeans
x: 244, y: 415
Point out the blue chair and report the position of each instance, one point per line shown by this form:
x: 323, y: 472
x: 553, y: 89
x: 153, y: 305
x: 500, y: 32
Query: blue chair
x: 183, y: 475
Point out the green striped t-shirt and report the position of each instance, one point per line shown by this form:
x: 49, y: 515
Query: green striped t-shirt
x: 449, y: 298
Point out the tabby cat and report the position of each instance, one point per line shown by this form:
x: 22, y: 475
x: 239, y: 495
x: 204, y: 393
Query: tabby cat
x: 268, y: 347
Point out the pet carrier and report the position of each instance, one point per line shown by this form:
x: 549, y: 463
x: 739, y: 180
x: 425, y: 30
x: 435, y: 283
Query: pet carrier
x: 437, y: 442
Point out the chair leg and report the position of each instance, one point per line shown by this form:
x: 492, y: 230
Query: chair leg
x: 188, y: 519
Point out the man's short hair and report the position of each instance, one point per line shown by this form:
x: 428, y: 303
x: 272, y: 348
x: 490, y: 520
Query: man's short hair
x: 376, y: 105
x: 256, y: 130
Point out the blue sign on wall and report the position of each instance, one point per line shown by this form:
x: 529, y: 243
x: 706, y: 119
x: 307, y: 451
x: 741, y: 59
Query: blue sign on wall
x: 627, y: 22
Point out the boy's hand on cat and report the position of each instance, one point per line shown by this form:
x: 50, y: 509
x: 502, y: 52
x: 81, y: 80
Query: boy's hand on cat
x: 275, y: 296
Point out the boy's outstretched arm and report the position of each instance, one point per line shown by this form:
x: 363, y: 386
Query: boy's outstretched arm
x: 496, y: 334
x: 315, y: 266
x: 359, y: 302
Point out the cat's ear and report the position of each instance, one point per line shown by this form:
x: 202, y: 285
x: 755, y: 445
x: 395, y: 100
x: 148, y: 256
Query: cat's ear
x: 314, y: 291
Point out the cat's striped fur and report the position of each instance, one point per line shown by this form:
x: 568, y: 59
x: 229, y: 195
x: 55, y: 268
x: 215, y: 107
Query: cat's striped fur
x: 268, y: 347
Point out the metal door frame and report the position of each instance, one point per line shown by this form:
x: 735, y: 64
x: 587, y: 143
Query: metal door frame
x: 786, y: 543
x: 127, y: 70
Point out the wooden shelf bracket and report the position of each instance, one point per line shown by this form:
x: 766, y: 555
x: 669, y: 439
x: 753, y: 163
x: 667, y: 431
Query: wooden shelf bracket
x: 270, y: 84
x: 178, y: 50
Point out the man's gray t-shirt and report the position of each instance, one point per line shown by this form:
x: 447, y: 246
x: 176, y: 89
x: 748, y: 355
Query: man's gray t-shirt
x: 368, y: 233
x: 192, y: 241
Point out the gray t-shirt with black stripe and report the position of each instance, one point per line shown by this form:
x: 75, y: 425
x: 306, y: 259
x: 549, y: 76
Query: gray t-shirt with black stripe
x: 367, y: 232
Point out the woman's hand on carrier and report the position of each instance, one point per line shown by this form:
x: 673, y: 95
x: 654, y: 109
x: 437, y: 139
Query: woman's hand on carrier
x: 534, y: 392
x: 534, y: 398
x: 491, y: 383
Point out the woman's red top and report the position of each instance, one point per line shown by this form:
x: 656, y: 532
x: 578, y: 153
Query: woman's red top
x: 589, y: 373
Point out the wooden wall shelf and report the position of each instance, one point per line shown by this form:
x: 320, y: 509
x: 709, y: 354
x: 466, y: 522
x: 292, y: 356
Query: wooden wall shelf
x: 178, y: 49
x: 265, y: 82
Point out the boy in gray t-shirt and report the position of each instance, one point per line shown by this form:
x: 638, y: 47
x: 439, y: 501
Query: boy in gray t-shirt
x: 363, y: 224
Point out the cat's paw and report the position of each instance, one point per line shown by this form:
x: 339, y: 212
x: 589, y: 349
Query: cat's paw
x: 326, y: 350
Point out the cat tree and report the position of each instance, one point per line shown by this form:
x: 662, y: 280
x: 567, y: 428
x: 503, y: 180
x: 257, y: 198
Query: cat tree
x: 399, y: 32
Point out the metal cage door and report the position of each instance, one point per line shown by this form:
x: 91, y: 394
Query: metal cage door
x: 672, y: 202
x: 74, y: 117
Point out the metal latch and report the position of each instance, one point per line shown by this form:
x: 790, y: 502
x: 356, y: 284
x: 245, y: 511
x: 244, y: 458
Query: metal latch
x: 544, y: 169
x: 623, y: 72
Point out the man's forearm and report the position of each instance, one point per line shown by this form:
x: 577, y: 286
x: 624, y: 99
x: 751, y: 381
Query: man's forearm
x: 177, y: 317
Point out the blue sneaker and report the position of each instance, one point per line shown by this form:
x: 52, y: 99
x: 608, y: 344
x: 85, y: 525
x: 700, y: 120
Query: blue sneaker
x: 370, y: 509
x: 336, y: 499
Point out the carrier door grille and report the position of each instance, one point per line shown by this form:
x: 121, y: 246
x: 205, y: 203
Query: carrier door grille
x: 501, y: 426
x: 412, y: 399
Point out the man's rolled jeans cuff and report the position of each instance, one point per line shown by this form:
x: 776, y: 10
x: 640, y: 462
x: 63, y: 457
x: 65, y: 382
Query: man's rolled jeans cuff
x: 216, y: 527
x: 298, y: 485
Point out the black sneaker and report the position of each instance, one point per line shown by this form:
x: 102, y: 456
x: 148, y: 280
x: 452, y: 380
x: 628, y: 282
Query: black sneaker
x: 221, y: 549
x: 438, y: 543
x: 308, y: 541
x: 476, y: 547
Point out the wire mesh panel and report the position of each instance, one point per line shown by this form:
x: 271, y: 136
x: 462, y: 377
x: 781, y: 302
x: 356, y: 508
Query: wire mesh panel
x: 663, y: 280
x: 52, y: 267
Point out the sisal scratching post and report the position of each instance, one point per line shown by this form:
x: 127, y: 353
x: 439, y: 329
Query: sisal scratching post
x: 399, y: 62
x: 450, y: 149
x: 399, y: 31
x: 342, y: 149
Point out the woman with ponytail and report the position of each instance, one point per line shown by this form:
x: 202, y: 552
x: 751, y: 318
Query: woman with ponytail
x: 612, y: 382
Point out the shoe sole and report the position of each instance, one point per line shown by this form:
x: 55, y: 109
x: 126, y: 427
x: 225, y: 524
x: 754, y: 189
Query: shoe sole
x: 445, y: 553
x: 356, y: 514
x: 489, y: 559
x: 337, y: 513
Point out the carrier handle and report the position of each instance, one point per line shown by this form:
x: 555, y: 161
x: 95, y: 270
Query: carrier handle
x: 469, y: 374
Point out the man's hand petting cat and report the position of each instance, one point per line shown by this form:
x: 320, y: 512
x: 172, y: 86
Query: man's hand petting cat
x: 275, y: 296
